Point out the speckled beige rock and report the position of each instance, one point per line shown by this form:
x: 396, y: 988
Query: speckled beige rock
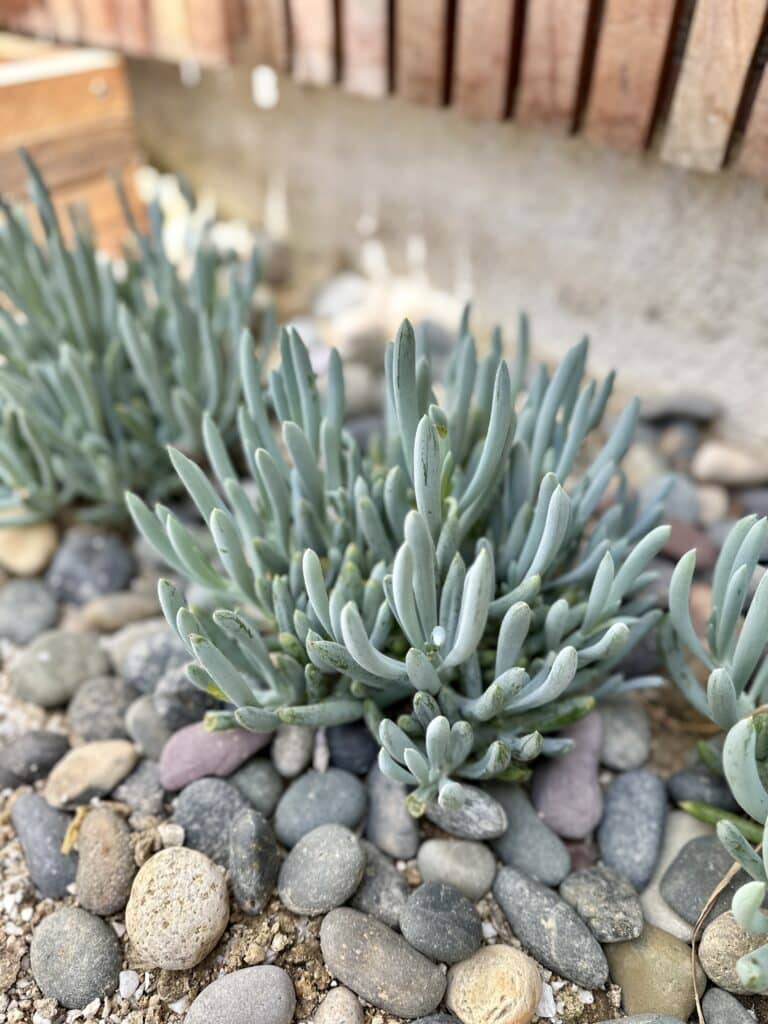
x: 94, y: 769
x: 723, y: 943
x: 340, y: 1006
x: 106, y: 866
x: 178, y: 909
x: 498, y: 984
x: 654, y: 973
x: 26, y: 550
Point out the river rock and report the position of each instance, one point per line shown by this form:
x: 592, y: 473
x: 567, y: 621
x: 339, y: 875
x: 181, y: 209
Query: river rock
x: 479, y: 817
x: 75, y: 957
x: 654, y: 973
x: 389, y: 825
x: 681, y: 828
x: 339, y: 1006
x: 177, y: 702
x: 97, y: 710
x: 94, y: 769
x: 259, y: 783
x: 606, y: 902
x: 696, y: 407
x: 30, y: 756
x: 145, y: 727
x: 41, y: 831
x: 632, y: 829
x: 27, y: 607
x: 379, y: 965
x: 178, y: 909
x: 106, y: 865
x: 109, y: 612
x: 26, y: 550
x: 626, y: 735
x: 720, y: 462
x: 254, y: 860
x: 722, y: 1008
x: 147, y: 650
x: 51, y: 669
x: 319, y: 798
x: 88, y: 563
x: 694, y: 874
x: 565, y: 790
x: 550, y: 929
x: 528, y: 843
x: 194, y: 752
x: 468, y: 866
x: 498, y: 983
x: 723, y: 943
x: 292, y: 749
x: 352, y: 747
x: 441, y: 923
x: 141, y: 790
x: 700, y: 785
x: 383, y: 891
x: 322, y: 870
x: 205, y: 809
x: 253, y: 995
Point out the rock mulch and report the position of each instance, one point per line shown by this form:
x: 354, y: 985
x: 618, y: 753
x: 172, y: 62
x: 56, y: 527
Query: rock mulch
x: 152, y: 872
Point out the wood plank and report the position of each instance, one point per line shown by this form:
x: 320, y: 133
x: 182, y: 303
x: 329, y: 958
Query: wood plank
x: 170, y: 30
x: 753, y: 155
x: 721, y: 44
x: 481, y: 74
x: 99, y: 24
x: 314, y: 41
x: 631, y: 52
x: 365, y: 46
x: 134, y: 25
x: 66, y: 19
x: 213, y: 28
x: 550, y: 72
x: 421, y: 45
x: 267, y: 30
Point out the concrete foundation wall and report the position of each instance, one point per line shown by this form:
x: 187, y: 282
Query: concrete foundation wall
x: 667, y: 271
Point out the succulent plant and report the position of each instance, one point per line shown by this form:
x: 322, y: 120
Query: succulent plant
x: 104, y: 362
x: 478, y: 572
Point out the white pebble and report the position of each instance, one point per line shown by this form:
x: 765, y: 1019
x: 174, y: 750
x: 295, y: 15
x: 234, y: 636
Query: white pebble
x: 546, y: 1007
x: 170, y: 834
x: 90, y: 1011
x: 489, y: 931
x: 129, y: 982
x: 180, y: 1006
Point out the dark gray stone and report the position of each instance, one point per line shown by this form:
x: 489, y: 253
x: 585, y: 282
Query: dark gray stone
x: 75, y: 957
x: 680, y: 406
x: 141, y: 790
x: 150, y: 656
x: 479, y: 817
x: 97, y: 710
x: 322, y: 870
x: 389, y: 825
x: 632, y: 829
x: 27, y: 607
x: 722, y: 1008
x: 259, y: 783
x: 626, y: 735
x: 690, y: 879
x: 51, y: 669
x: 646, y: 1018
x: 441, y: 923
x: 754, y: 501
x: 254, y: 860
x: 41, y: 831
x: 606, y: 902
x: 89, y: 563
x: 177, y: 701
x: 702, y: 786
x: 682, y: 502
x: 253, y: 995
x: 205, y: 810
x: 383, y: 890
x: 550, y: 930
x: 146, y: 728
x: 528, y: 843
x: 352, y: 747
x: 379, y: 965
x: 30, y: 756
x: 319, y: 798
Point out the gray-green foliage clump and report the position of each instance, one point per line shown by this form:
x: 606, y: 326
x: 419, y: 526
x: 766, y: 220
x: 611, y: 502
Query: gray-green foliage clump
x: 104, y: 363
x: 463, y: 584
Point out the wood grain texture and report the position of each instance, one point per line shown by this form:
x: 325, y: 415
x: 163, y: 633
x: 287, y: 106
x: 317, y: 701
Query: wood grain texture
x: 629, y: 63
x: 420, y: 50
x: 753, y: 155
x: 314, y: 41
x: 721, y: 44
x: 365, y: 46
x: 134, y: 26
x: 481, y: 72
x: 65, y: 15
x: 553, y: 51
x: 266, y: 25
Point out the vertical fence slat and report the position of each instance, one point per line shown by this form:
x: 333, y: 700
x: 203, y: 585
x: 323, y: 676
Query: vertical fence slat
x: 267, y: 28
x: 212, y: 28
x: 421, y: 46
x: 753, y: 157
x: 314, y: 41
x: 365, y: 46
x: 29, y: 16
x: 66, y: 19
x: 484, y: 30
x: 721, y: 44
x: 99, y: 22
x: 629, y: 63
x: 553, y: 50
x: 134, y: 28
x: 170, y: 30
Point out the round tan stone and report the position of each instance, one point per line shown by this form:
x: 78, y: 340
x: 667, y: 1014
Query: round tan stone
x: 340, y: 1006
x: 27, y: 550
x: 498, y: 983
x: 94, y: 769
x: 722, y: 945
x: 178, y: 909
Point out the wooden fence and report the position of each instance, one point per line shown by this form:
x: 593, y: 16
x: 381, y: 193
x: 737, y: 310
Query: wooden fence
x: 684, y: 77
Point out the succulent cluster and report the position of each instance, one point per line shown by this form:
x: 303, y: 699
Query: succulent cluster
x: 734, y: 659
x: 104, y: 362
x: 478, y: 572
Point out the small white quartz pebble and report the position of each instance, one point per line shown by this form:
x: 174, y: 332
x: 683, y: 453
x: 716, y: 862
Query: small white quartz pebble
x: 171, y: 834
x: 129, y: 982
x: 546, y: 1007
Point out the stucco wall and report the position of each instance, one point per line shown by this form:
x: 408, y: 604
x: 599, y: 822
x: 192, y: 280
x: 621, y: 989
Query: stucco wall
x: 667, y: 271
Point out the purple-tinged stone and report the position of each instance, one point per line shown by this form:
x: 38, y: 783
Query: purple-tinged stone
x: 194, y: 752
x: 566, y: 792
